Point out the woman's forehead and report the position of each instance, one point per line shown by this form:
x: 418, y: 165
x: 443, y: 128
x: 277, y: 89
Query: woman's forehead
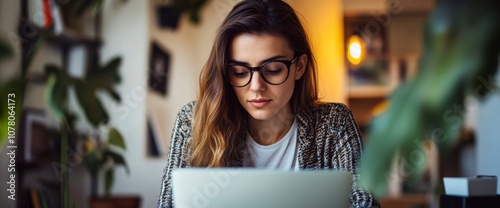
x: 254, y: 48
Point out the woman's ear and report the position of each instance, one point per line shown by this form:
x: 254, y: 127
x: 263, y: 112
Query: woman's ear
x: 301, y: 66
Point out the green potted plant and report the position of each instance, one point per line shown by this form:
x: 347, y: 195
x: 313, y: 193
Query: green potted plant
x: 101, y: 155
x: 59, y: 83
x: 461, y: 50
x: 170, y: 11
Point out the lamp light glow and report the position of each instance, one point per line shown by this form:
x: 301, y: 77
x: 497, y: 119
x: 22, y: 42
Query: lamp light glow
x: 355, y: 50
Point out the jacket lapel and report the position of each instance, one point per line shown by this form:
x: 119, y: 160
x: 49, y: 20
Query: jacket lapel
x: 307, y: 151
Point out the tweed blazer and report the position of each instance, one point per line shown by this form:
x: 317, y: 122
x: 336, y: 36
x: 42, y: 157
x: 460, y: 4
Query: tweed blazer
x: 328, y: 138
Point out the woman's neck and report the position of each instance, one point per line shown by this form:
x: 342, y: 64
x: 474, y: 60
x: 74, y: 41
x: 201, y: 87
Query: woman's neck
x: 267, y: 132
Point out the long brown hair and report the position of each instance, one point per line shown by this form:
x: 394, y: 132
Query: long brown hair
x: 219, y: 117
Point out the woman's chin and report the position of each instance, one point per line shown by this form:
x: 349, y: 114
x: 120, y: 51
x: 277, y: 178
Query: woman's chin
x: 261, y: 115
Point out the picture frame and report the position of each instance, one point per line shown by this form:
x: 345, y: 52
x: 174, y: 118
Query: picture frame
x: 36, y: 141
x: 377, y: 78
x: 377, y: 71
x: 399, y: 68
x: 159, y: 69
x: 155, y: 143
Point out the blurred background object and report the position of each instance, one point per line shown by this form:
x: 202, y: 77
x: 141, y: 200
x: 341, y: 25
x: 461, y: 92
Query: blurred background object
x: 169, y: 11
x: 152, y: 88
x: 461, y: 51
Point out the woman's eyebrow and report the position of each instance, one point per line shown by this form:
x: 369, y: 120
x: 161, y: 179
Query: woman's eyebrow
x: 261, y: 62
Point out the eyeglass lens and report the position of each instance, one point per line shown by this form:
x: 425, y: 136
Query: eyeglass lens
x: 272, y: 72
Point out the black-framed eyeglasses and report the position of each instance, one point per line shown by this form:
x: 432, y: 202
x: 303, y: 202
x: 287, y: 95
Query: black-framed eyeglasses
x: 274, y: 72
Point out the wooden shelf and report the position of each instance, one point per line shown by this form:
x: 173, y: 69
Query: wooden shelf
x: 33, y: 173
x: 70, y: 38
x: 406, y: 201
x: 369, y: 92
x: 37, y: 78
x: 362, y: 108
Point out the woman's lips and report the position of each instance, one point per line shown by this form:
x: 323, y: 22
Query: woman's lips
x: 260, y: 103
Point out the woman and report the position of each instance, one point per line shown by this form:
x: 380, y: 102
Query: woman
x: 257, y: 104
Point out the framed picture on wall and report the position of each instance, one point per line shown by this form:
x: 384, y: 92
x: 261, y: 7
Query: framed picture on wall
x: 370, y: 71
x: 376, y: 79
x: 36, y: 140
x: 155, y: 143
x: 159, y: 67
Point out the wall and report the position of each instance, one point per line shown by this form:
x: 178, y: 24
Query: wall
x: 189, y: 46
x: 323, y: 21
x: 488, y: 139
x: 8, y: 31
x: 125, y: 31
x: 405, y: 34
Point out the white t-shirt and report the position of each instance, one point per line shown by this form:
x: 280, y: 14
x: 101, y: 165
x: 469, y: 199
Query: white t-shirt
x: 281, y: 155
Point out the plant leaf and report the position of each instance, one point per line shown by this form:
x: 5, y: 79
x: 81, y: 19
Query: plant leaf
x: 44, y: 202
x: 5, y: 50
x: 110, y: 70
x: 56, y: 92
x: 460, y: 46
x: 119, y: 160
x: 116, y: 139
x: 83, y: 5
x: 105, y: 77
x: 96, y: 7
x: 113, y: 94
x: 91, y: 105
x: 109, y: 179
x: 93, y: 162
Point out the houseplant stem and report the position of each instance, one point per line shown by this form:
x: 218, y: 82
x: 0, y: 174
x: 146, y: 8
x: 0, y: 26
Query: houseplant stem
x: 64, y: 167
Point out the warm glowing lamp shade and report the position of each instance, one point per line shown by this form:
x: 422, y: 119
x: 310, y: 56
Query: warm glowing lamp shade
x: 355, y: 50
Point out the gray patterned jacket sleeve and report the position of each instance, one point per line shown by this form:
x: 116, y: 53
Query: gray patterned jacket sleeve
x: 177, y: 153
x: 350, y: 153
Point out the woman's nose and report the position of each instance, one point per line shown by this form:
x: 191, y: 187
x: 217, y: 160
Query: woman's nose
x: 257, y: 84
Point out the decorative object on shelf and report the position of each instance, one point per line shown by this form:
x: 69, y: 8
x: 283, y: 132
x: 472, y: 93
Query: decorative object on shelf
x: 159, y: 69
x: 170, y: 11
x: 460, y: 59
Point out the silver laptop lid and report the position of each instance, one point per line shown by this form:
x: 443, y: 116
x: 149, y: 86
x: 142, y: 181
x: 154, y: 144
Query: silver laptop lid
x: 219, y: 188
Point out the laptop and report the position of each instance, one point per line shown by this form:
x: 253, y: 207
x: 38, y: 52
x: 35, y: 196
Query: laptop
x: 223, y: 187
